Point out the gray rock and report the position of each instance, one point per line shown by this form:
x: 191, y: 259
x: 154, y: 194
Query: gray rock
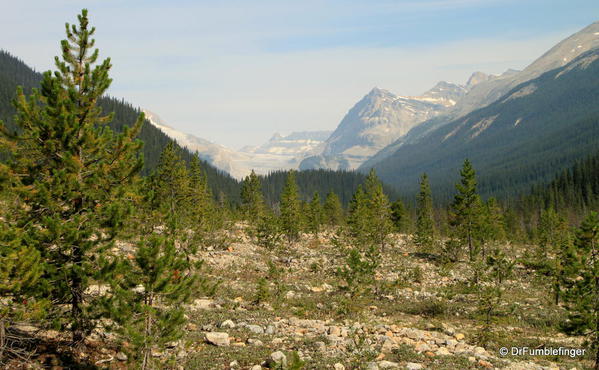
x: 256, y: 329
x: 255, y: 342
x: 388, y: 365
x: 121, y: 356
x: 320, y: 346
x: 227, y: 324
x: 218, y: 339
x: 372, y: 366
x: 270, y: 329
x: 234, y: 364
x: 413, y: 366
x: 277, y: 358
x: 256, y: 367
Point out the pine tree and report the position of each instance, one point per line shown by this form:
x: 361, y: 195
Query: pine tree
x: 291, y: 217
x: 170, y: 190
x: 202, y: 216
x: 492, y: 228
x: 333, y: 211
x: 315, y: 214
x: 357, y: 221
x: 378, y: 211
x: 70, y: 172
x: 400, y: 216
x: 582, y: 292
x: 490, y: 287
x: 466, y: 212
x: 21, y: 289
x: 425, y: 226
x: 252, y: 201
x: 148, y: 297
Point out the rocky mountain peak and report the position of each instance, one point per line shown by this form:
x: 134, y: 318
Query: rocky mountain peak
x: 476, y: 78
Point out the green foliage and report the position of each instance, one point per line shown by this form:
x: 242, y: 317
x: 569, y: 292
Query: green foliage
x: 490, y: 287
x: 315, y: 215
x: 269, y: 232
x: 466, y: 212
x: 262, y: 291
x: 70, y: 173
x: 169, y: 191
x: 582, y: 290
x: 291, y: 216
x: 148, y: 296
x: 359, y: 270
x: 425, y: 225
x: 400, y: 217
x: 333, y: 211
x: 343, y: 183
x: 252, y: 201
x: 378, y: 211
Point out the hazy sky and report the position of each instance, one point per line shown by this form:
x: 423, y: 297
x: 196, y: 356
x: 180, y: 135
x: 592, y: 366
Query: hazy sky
x: 235, y: 72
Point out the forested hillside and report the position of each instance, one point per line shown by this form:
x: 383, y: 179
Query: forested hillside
x: 343, y: 183
x: 527, y: 136
x: 14, y: 72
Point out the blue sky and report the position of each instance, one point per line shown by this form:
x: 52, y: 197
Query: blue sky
x: 235, y: 72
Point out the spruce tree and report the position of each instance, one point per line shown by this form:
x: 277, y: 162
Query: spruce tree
x: 291, y: 217
x: 400, y: 216
x: 333, y: 211
x: 466, y: 212
x: 252, y: 200
x: 425, y: 225
x: 70, y: 172
x: 315, y: 214
x: 582, y: 291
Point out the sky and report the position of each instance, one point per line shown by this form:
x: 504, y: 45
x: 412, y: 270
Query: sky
x: 236, y: 71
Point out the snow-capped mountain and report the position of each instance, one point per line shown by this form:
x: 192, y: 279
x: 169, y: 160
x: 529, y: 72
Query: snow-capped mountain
x: 221, y: 157
x: 280, y: 152
x: 376, y: 121
x: 485, y: 89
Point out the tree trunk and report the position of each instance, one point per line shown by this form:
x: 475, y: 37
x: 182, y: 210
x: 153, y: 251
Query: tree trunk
x: 2, y: 339
x: 78, y: 321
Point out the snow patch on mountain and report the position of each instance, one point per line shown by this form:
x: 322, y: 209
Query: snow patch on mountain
x: 279, y: 153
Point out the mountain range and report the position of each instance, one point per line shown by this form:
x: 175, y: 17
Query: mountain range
x: 279, y: 153
x: 538, y: 121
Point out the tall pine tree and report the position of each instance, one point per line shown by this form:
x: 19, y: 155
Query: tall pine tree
x: 378, y: 211
x: 252, y: 200
x: 466, y: 212
x: 425, y: 225
x: 70, y: 172
x: 582, y: 293
x: 291, y: 217
x: 333, y: 211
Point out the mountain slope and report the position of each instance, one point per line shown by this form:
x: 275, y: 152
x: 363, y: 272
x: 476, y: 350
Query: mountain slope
x: 536, y: 129
x: 485, y: 89
x: 376, y: 121
x: 14, y: 72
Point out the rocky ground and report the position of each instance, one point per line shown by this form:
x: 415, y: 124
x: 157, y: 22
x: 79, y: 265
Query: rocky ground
x: 421, y: 316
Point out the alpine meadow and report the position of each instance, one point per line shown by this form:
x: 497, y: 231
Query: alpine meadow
x: 452, y: 229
